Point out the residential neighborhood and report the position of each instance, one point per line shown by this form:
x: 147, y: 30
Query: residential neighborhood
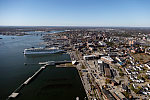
x: 113, y: 63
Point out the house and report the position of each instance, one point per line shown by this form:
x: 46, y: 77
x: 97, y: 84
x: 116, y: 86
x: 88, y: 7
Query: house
x: 128, y: 71
x: 148, y: 66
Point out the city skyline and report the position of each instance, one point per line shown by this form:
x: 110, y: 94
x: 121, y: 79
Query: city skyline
x: 127, y: 13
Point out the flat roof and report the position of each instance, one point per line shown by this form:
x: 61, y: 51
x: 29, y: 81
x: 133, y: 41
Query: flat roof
x: 108, y: 94
x: 108, y: 58
x: 89, y: 56
x: 107, y: 72
x: 99, y: 61
x: 120, y: 94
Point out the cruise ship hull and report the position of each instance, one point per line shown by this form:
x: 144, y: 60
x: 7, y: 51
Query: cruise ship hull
x: 30, y: 53
x: 26, y: 52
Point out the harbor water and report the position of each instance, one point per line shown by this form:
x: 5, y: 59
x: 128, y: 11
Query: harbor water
x: 51, y: 84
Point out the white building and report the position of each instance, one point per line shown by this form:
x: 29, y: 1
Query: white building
x: 107, y: 59
x: 102, y: 43
x: 89, y: 57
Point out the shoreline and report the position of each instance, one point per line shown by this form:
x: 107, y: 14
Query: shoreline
x: 81, y: 78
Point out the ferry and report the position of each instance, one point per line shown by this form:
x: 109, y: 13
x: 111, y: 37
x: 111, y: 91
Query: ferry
x: 42, y: 50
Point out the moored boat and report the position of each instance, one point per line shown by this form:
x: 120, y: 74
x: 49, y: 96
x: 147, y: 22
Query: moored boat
x: 42, y: 50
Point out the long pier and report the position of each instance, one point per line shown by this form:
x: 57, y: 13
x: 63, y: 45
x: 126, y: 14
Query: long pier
x: 30, y: 78
x: 50, y: 63
x: 16, y: 91
x: 54, y: 62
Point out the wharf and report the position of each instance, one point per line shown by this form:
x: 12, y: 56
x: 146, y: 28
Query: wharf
x: 74, y: 57
x: 54, y: 62
x: 16, y: 92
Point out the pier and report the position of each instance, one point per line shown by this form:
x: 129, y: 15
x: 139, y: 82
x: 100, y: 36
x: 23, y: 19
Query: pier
x: 16, y: 92
x: 30, y: 78
x: 54, y: 62
x: 49, y: 63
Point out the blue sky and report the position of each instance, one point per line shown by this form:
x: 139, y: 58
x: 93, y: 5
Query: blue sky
x: 135, y: 13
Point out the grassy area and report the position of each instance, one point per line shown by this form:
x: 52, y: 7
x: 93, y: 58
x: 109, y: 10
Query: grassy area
x: 126, y: 94
x: 135, y: 90
x: 107, y: 81
x: 90, y: 81
x: 121, y: 74
x: 116, y: 67
x: 146, y: 78
x: 69, y: 65
x: 83, y: 67
x: 80, y: 73
x: 110, y: 43
x: 142, y: 57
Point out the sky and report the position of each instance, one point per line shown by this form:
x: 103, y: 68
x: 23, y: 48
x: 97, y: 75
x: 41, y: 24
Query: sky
x: 127, y: 13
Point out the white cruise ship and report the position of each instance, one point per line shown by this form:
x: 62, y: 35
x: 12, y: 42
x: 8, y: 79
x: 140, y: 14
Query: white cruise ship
x: 42, y: 50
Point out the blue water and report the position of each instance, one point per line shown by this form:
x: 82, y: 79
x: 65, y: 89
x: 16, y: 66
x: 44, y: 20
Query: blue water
x: 53, y: 80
